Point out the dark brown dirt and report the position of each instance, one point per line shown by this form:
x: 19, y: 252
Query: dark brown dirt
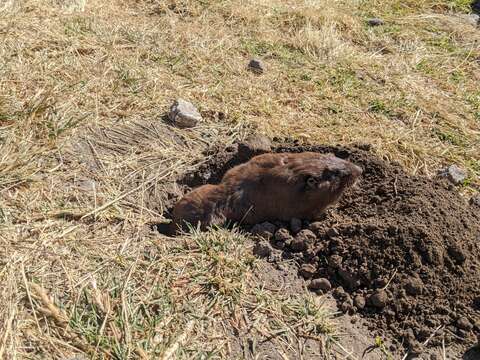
x: 401, y: 251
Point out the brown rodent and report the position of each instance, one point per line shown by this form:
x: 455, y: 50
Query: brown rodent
x: 269, y: 187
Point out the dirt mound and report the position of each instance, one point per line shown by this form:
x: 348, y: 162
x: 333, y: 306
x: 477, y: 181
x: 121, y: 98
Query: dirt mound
x: 402, y: 251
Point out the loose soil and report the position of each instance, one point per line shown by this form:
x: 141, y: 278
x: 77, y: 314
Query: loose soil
x: 401, y: 251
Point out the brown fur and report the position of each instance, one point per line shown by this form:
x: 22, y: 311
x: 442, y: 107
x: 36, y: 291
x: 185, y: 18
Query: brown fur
x: 269, y: 187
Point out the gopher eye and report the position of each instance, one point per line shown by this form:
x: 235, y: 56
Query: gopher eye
x: 311, y: 182
x: 330, y: 174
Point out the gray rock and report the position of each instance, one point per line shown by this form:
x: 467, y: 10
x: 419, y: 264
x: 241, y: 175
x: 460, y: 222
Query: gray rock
x: 455, y: 174
x: 375, y: 22
x: 256, y: 66
x: 184, y: 114
x: 262, y: 249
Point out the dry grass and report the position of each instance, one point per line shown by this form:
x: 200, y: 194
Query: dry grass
x: 86, y: 159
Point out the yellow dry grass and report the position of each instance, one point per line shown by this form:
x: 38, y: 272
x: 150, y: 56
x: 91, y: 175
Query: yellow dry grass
x: 86, y: 158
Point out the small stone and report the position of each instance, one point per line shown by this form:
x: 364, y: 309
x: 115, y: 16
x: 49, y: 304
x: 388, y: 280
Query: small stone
x: 256, y: 66
x: 282, y: 235
x: 455, y: 174
x: 254, y: 145
x: 307, y: 271
x: 265, y: 230
x: 359, y: 301
x: 184, y: 114
x: 379, y: 299
x: 295, y: 225
x: 375, y: 22
x: 414, y: 286
x: 262, y: 249
x: 464, y: 324
x: 320, y: 284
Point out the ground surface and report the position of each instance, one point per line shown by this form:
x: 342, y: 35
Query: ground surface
x: 389, y: 249
x: 87, y: 161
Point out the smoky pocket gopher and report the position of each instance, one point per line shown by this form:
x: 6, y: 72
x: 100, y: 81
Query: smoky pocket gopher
x: 269, y: 187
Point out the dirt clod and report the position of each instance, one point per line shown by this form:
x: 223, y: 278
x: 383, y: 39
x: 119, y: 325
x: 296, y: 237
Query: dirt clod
x: 359, y: 301
x: 464, y: 324
x: 307, y: 271
x: 303, y: 240
x: 414, y: 286
x: 265, y: 230
x: 283, y: 235
x: 379, y: 299
x: 375, y: 22
x: 262, y: 248
x: 254, y: 145
x: 320, y: 284
x: 256, y: 66
x: 475, y: 200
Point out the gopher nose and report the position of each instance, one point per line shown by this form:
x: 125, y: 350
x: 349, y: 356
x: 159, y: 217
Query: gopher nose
x: 353, y: 172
